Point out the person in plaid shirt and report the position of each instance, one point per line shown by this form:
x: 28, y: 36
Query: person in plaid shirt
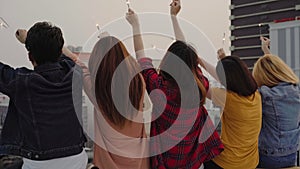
x: 175, y: 133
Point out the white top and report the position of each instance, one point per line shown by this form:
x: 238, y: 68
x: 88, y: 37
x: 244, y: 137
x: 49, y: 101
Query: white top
x: 78, y: 161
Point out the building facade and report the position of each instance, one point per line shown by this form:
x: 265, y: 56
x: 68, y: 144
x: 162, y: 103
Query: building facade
x: 250, y: 19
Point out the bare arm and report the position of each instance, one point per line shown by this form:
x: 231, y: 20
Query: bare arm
x: 209, y: 67
x: 132, y: 18
x: 69, y: 54
x: 87, y: 81
x: 174, y: 10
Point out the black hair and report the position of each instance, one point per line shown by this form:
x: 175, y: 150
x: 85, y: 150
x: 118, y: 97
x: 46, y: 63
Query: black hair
x: 235, y: 76
x: 44, y: 42
x: 188, y: 55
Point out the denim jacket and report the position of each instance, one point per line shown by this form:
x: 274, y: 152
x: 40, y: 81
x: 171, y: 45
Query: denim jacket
x: 41, y: 121
x: 280, y: 133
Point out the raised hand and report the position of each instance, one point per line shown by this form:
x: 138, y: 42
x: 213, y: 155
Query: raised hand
x: 21, y: 35
x: 265, y: 44
x: 132, y: 18
x: 265, y: 41
x: 175, y: 7
x: 221, y: 54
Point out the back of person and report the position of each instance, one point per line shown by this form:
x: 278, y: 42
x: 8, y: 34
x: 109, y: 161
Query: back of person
x: 182, y: 134
x: 120, y: 138
x: 108, y: 143
x: 45, y: 111
x: 189, y: 152
x: 42, y: 123
x: 181, y: 120
x: 279, y: 86
x: 241, y: 124
x: 241, y: 113
x: 281, y: 111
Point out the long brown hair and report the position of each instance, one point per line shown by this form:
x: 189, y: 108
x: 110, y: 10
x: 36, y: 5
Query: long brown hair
x: 108, y: 53
x: 189, y: 56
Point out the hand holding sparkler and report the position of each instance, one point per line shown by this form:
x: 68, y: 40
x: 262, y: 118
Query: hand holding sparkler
x: 221, y: 54
x: 132, y: 18
x: 175, y: 7
x: 265, y: 44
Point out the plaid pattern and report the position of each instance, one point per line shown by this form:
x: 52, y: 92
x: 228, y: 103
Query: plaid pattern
x: 188, y: 153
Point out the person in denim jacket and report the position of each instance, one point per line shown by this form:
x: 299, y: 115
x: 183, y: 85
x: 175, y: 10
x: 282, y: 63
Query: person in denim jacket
x: 280, y: 133
x: 41, y: 124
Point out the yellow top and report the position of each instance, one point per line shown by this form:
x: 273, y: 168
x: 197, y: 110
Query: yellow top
x: 241, y: 124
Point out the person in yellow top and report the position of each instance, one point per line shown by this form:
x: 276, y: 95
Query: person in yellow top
x: 241, y: 120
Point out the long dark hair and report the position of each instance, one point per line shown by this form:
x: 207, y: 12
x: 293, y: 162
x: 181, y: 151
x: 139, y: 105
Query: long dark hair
x: 189, y: 56
x: 112, y: 52
x: 235, y: 76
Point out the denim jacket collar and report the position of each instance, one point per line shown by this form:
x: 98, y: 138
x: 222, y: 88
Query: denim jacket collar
x: 283, y: 84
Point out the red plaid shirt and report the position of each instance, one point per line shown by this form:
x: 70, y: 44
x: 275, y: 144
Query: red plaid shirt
x: 188, y: 153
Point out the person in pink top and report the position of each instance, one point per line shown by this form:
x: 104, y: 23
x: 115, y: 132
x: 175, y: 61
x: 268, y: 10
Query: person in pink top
x: 120, y: 138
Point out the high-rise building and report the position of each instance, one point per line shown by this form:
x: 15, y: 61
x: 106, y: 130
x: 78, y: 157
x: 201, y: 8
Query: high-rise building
x: 250, y: 19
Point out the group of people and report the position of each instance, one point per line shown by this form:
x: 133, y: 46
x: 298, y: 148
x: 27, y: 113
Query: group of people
x: 260, y: 111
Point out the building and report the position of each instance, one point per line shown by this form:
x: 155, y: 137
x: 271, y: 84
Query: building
x: 286, y: 43
x: 4, y: 101
x: 250, y: 19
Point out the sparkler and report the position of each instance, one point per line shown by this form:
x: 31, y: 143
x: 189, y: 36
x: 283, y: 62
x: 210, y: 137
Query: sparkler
x: 224, y: 39
x: 98, y: 27
x: 260, y: 29
x: 128, y: 4
x: 3, y: 23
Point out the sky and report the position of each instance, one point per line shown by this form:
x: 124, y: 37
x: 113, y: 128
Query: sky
x: 77, y: 19
x: 203, y: 21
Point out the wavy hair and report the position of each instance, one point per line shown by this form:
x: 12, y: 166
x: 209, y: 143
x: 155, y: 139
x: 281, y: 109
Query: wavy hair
x: 107, y: 55
x: 270, y: 70
x: 189, y: 56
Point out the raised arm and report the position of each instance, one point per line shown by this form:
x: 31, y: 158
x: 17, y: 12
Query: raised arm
x: 7, y: 73
x: 265, y: 43
x: 133, y: 20
x: 209, y: 67
x: 174, y: 10
x: 212, y: 70
x: 21, y: 35
x: 69, y: 54
x: 87, y: 81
